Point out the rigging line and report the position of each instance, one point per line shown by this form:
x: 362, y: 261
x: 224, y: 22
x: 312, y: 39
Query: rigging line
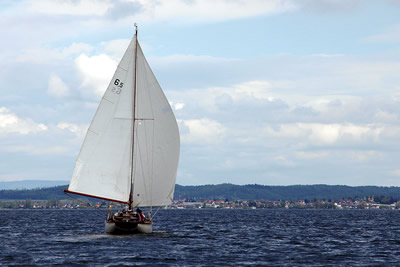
x: 81, y: 201
x: 153, y: 215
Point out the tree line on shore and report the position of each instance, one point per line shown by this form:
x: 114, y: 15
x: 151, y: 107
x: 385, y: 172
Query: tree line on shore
x: 236, y: 192
x: 291, y: 192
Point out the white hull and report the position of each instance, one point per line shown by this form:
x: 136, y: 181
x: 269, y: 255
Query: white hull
x: 134, y: 228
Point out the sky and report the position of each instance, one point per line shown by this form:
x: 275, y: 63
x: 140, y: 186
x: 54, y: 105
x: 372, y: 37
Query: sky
x: 272, y: 92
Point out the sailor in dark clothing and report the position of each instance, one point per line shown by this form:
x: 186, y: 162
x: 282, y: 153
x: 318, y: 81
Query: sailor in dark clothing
x: 140, y: 214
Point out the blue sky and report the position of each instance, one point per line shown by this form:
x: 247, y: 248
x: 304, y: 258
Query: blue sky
x: 272, y: 92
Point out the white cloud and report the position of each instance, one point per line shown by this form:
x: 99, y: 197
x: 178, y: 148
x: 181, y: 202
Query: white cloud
x: 116, y: 47
x: 364, y: 156
x: 178, y: 106
x: 10, y: 123
x: 252, y: 89
x: 329, y: 5
x: 312, y: 154
x: 282, y: 160
x: 325, y: 134
x: 192, y: 59
x: 202, y: 130
x: 69, y: 7
x: 390, y: 35
x: 391, y: 131
x: 76, y: 48
x: 48, y: 55
x: 382, y: 116
x: 95, y: 72
x: 78, y: 130
x: 213, y: 99
x: 396, y: 172
x: 36, y: 150
x: 209, y: 10
x: 57, y: 87
x: 155, y: 11
x: 341, y: 104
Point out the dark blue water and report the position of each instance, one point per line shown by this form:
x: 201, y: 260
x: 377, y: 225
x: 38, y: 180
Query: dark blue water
x: 211, y: 237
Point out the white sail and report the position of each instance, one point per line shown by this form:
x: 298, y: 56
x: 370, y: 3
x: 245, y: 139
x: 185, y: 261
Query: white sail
x: 102, y: 168
x: 156, y: 141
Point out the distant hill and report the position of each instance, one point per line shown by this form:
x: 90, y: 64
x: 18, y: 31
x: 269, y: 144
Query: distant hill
x: 36, y: 194
x: 291, y: 192
x: 30, y: 184
x: 233, y: 192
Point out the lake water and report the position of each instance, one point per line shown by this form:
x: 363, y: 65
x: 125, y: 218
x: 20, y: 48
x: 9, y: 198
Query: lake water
x: 210, y: 237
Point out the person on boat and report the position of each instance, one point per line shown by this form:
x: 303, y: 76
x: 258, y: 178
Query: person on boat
x: 140, y: 214
x: 122, y: 212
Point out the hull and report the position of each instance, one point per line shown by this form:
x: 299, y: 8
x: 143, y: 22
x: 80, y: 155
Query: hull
x: 116, y: 228
x: 128, y: 222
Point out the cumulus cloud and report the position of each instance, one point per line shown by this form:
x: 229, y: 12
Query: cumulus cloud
x: 36, y: 150
x: 78, y: 130
x: 255, y: 110
x: 215, y: 99
x: 329, y: 5
x: 202, y: 130
x: 121, y: 9
x: 396, y: 172
x: 95, y: 72
x: 48, y: 55
x: 312, y: 154
x: 383, y: 116
x: 57, y: 87
x: 10, y: 123
x: 153, y: 10
x: 325, y: 134
x: 191, y: 59
x: 69, y: 7
x: 209, y: 10
x: 177, y: 106
x: 389, y: 35
x: 193, y: 11
x: 116, y: 48
x: 391, y: 131
x: 364, y: 156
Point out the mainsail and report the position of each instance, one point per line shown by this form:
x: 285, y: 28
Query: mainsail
x: 103, y: 168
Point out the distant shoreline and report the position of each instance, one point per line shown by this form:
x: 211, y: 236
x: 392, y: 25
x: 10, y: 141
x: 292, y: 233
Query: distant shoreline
x: 230, y: 192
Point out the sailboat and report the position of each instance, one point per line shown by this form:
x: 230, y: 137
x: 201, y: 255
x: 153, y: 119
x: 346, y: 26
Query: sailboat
x: 131, y: 150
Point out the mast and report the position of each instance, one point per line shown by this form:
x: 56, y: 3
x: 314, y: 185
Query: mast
x: 133, y: 121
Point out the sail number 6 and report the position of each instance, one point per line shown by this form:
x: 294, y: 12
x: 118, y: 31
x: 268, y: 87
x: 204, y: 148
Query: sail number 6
x: 118, y: 87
